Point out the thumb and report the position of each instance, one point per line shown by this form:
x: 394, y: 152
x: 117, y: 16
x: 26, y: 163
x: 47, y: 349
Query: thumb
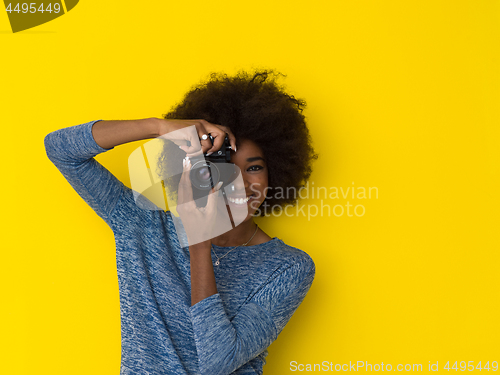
x: 217, y: 187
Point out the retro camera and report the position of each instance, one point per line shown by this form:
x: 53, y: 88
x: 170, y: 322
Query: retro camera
x: 208, y: 170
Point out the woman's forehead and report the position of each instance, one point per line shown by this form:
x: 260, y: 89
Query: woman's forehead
x: 247, y: 149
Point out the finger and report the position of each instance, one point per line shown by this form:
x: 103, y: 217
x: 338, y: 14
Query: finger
x: 203, y: 135
x: 218, y: 136
x: 212, y: 199
x: 185, y: 192
x: 206, y: 144
x: 230, y: 136
x: 232, y: 141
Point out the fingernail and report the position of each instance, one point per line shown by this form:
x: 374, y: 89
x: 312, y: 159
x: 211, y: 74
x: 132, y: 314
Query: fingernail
x: 217, y: 187
x: 208, y: 153
x: 234, y: 148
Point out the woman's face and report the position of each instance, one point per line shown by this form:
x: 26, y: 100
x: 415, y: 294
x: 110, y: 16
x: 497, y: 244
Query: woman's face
x: 250, y: 160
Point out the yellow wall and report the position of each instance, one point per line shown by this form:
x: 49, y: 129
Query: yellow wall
x: 402, y: 96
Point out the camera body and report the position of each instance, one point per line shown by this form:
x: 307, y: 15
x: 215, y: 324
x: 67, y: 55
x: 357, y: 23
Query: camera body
x: 223, y: 155
x: 208, y: 170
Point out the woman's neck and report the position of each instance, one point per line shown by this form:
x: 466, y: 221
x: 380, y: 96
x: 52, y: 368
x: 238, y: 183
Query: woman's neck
x: 237, y: 236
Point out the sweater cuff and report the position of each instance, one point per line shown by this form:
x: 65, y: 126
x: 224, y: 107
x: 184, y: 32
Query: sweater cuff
x: 89, y: 138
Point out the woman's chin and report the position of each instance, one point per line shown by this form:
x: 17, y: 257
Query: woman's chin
x: 241, y: 212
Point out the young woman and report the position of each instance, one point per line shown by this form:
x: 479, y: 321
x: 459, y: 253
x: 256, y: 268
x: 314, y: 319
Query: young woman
x: 215, y: 306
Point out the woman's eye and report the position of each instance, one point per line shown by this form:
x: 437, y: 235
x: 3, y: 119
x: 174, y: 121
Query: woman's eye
x: 254, y: 168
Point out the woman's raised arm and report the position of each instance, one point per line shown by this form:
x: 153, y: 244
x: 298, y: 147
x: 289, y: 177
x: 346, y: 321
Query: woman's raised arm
x: 109, y: 134
x: 72, y: 151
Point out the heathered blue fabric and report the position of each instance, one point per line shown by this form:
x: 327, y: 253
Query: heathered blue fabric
x: 259, y: 287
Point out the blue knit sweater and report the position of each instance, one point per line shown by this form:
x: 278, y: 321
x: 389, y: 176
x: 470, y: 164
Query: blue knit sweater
x: 259, y: 287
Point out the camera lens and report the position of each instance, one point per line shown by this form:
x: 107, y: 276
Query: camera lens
x: 204, y: 175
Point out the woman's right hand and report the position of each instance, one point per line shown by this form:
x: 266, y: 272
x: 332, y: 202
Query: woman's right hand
x: 199, y: 223
x: 179, y: 132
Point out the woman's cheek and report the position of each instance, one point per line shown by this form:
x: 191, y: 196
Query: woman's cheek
x: 254, y: 205
x: 255, y: 188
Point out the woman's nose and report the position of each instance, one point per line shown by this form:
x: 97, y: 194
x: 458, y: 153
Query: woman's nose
x: 239, y: 184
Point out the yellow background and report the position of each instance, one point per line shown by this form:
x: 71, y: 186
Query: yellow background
x: 402, y: 96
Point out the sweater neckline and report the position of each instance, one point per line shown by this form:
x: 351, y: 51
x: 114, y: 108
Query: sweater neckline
x: 264, y: 244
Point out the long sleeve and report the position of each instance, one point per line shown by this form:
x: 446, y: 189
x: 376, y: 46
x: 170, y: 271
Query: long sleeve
x: 224, y: 345
x: 72, y: 151
x: 161, y: 333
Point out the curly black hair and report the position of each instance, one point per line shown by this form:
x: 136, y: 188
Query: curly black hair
x: 255, y: 107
